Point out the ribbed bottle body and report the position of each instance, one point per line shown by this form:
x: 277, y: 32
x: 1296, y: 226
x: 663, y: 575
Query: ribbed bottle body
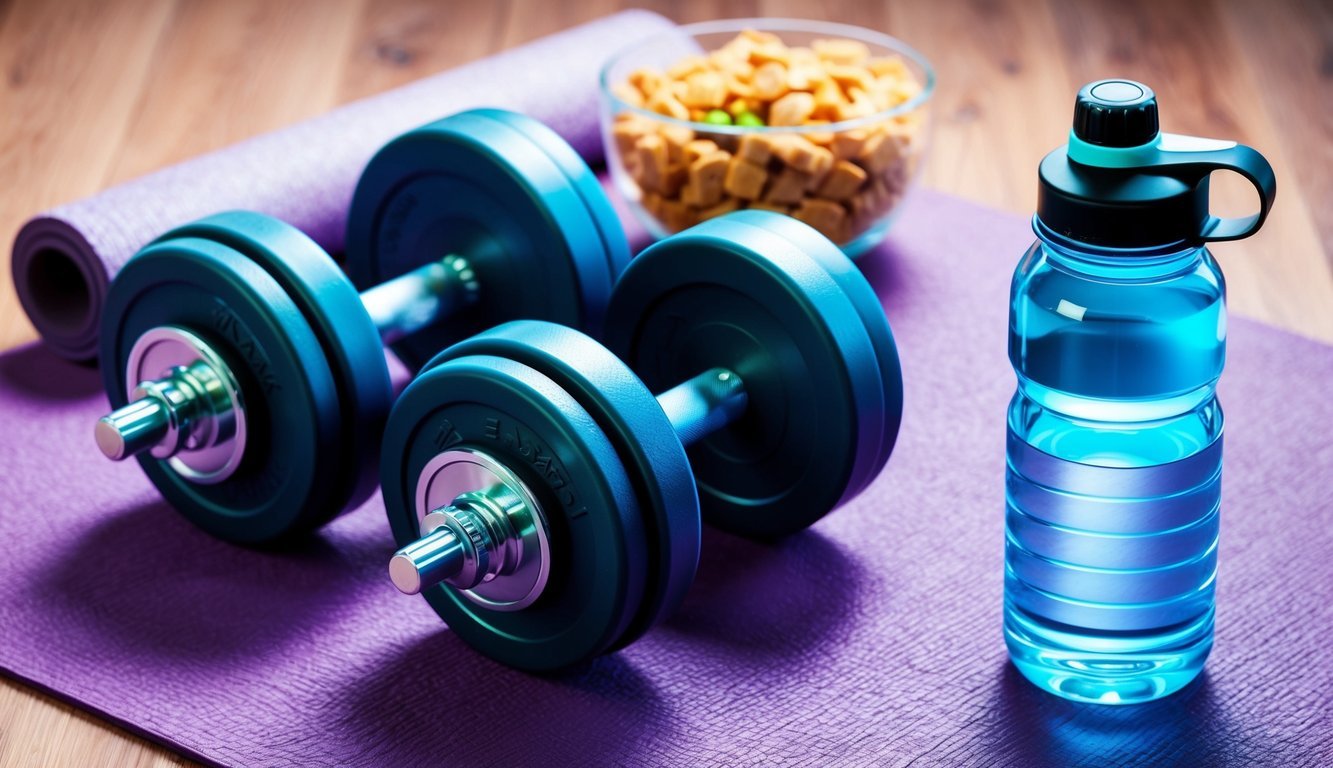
x: 1114, y: 470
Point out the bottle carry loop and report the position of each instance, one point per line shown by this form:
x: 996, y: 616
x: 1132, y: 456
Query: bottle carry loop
x: 1191, y: 160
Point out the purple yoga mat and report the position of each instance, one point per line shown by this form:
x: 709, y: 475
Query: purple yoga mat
x: 873, y: 638
x: 303, y: 174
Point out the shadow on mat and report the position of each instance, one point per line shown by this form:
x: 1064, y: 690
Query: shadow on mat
x: 441, y: 703
x: 759, y: 603
x: 886, y: 269
x: 37, y: 371
x: 1033, y: 727
x: 155, y: 586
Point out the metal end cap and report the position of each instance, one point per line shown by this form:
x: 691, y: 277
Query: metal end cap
x: 109, y: 439
x: 404, y: 574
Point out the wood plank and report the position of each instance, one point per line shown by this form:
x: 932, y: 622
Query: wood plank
x: 5, y: 7
x: 530, y: 19
x: 1002, y: 102
x: 230, y: 70
x: 1290, y: 53
x: 1207, y: 88
x: 38, y: 730
x: 690, y: 11
x: 70, y: 76
x: 399, y: 41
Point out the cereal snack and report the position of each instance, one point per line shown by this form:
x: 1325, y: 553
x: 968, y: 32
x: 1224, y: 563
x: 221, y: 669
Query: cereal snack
x: 815, y: 152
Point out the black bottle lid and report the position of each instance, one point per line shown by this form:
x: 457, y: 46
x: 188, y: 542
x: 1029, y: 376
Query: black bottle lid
x: 1120, y: 184
x: 1116, y: 113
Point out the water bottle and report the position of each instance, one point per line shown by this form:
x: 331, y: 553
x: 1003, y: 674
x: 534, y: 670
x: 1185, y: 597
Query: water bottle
x: 1117, y: 333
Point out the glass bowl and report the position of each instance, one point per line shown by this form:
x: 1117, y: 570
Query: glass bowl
x: 678, y: 161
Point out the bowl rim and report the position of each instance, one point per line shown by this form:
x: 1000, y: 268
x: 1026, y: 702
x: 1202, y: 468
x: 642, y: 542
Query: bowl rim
x: 864, y: 34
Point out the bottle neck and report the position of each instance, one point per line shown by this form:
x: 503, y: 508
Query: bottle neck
x: 1118, y: 263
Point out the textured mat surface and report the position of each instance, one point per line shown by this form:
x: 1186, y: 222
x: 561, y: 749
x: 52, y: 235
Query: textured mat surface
x: 303, y: 174
x: 873, y: 638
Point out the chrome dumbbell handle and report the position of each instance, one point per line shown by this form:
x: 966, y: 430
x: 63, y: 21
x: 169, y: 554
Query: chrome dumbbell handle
x: 412, y: 301
x: 179, y: 411
x: 704, y: 404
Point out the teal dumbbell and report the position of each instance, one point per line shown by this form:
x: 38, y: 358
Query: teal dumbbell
x: 246, y: 371
x: 548, y: 505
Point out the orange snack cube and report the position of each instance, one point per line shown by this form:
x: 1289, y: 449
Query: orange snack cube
x: 792, y: 109
x: 770, y: 81
x: 805, y: 156
x: 824, y: 215
x: 841, y: 51
x: 755, y: 149
x: 745, y: 179
x: 687, y: 66
x: 788, y: 188
x: 707, y: 176
x: 705, y: 90
x: 651, y: 153
x: 648, y: 81
x: 699, y: 148
x: 664, y: 102
x: 851, y: 77
x: 842, y: 181
x: 881, y: 151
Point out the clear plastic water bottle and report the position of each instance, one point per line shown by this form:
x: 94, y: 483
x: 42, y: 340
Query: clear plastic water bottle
x: 1117, y: 333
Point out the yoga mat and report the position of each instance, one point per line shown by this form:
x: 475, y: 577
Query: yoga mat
x: 873, y: 638
x: 304, y: 174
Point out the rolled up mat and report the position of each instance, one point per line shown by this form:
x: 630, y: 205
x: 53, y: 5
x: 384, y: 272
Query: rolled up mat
x: 304, y: 174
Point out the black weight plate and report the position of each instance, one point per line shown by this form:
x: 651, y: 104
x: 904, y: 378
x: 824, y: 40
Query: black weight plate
x: 644, y: 439
x: 330, y: 304
x: 476, y: 186
x: 528, y: 423
x: 614, y: 242
x: 871, y: 314
x: 281, y: 488
x: 729, y: 293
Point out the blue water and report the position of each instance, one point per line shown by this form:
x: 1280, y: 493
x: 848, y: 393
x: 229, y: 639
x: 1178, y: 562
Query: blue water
x: 1114, y: 473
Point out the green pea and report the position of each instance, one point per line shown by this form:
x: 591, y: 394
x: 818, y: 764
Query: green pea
x: 717, y: 117
x: 749, y: 120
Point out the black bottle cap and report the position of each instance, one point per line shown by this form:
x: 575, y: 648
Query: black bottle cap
x: 1115, y: 113
x: 1119, y: 207
x: 1127, y: 191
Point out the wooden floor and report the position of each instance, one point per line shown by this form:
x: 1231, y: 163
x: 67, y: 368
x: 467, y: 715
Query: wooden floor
x: 93, y: 92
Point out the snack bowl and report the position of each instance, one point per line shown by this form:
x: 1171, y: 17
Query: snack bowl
x: 828, y: 123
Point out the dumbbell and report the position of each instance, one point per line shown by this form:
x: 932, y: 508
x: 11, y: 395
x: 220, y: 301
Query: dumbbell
x: 548, y: 506
x: 248, y: 375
